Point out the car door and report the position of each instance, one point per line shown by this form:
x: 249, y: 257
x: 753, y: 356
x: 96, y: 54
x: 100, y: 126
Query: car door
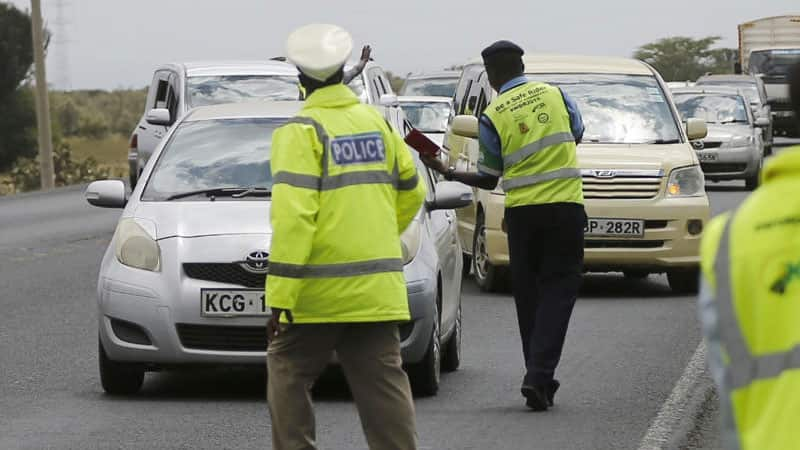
x: 443, y: 229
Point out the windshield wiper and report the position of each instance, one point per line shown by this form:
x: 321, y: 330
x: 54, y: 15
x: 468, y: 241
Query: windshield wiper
x: 733, y: 121
x: 235, y: 192
x: 664, y: 141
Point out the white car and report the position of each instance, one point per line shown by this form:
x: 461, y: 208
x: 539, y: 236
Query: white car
x: 182, y: 281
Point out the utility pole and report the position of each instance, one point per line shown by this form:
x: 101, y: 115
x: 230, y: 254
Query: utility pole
x: 42, y: 101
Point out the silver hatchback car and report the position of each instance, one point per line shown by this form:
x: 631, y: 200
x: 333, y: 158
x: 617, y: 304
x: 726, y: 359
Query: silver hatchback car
x: 182, y: 281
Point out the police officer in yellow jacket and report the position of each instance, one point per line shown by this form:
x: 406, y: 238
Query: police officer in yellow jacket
x: 528, y: 136
x: 750, y: 306
x: 345, y: 187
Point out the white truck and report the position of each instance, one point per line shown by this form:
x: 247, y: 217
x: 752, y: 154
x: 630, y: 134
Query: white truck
x: 767, y: 48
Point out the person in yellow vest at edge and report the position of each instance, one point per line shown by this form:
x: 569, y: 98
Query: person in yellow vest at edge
x: 534, y: 150
x: 335, y: 279
x: 750, y: 306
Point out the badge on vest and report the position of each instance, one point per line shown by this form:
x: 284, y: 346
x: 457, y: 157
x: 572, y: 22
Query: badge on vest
x: 358, y: 149
x: 792, y: 273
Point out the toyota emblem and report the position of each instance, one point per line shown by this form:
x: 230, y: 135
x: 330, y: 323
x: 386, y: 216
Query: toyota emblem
x: 256, y: 262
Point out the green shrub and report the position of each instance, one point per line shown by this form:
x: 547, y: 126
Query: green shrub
x: 25, y: 173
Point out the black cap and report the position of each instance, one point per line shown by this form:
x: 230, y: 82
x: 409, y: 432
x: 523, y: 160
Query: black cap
x: 502, y: 47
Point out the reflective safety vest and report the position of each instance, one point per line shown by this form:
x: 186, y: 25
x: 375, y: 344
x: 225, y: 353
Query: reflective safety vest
x: 345, y: 186
x: 539, y: 161
x: 751, y: 272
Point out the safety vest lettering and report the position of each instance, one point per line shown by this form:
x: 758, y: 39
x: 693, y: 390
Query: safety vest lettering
x: 358, y: 149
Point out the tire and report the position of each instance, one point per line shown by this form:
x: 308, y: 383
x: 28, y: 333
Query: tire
x: 490, y: 278
x: 119, y: 378
x: 467, y: 268
x: 426, y: 374
x: 751, y: 183
x: 684, y: 281
x: 452, y: 350
x: 636, y: 274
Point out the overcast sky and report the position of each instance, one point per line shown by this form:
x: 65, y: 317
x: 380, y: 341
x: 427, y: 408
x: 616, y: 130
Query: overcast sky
x: 117, y: 43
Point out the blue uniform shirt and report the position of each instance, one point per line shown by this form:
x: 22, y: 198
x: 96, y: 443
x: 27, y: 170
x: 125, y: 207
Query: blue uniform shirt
x: 491, y: 154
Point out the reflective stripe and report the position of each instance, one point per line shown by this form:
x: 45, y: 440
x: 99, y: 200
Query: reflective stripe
x: 540, y: 178
x: 353, y: 178
x: 335, y: 270
x: 489, y: 170
x: 297, y: 180
x: 535, y: 147
x: 744, y: 368
x: 409, y: 184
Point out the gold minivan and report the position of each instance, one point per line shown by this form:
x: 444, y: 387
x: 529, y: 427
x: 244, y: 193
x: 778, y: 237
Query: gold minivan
x: 643, y: 187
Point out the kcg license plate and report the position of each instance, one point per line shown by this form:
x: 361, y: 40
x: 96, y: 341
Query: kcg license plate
x: 233, y: 302
x: 706, y: 157
x: 614, y: 227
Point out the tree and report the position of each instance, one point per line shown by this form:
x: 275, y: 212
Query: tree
x: 683, y: 58
x: 18, y: 119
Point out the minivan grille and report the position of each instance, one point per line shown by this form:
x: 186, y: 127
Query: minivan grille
x: 223, y: 338
x: 231, y: 273
x: 621, y: 184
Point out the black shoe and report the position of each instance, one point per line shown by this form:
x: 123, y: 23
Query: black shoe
x: 536, y: 397
x: 551, y: 391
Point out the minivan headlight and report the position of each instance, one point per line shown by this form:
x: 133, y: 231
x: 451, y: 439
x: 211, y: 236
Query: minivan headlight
x: 409, y: 241
x: 136, y: 248
x: 742, y: 141
x: 686, y: 182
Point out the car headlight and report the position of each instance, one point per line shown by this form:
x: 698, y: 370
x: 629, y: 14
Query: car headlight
x: 742, y: 141
x: 409, y: 241
x: 686, y: 182
x: 135, y: 247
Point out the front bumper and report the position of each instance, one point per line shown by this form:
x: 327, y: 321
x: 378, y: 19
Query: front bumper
x: 165, y: 307
x: 667, y: 242
x: 732, y: 163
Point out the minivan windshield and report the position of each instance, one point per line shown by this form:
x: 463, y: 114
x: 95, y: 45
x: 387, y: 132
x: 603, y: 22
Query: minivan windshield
x: 211, y: 154
x: 430, y: 87
x: 213, y: 90
x: 619, y: 109
x: 427, y: 117
x: 774, y: 64
x: 712, y: 108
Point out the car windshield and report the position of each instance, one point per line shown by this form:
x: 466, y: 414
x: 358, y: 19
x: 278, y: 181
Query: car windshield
x: 430, y: 87
x: 428, y: 117
x: 619, y: 109
x: 210, y: 154
x: 748, y: 89
x: 214, y: 90
x: 774, y: 63
x: 712, y: 108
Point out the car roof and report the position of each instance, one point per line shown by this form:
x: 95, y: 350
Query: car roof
x: 708, y: 90
x: 258, y: 109
x: 423, y: 99
x: 561, y: 63
x: 431, y: 75
x: 728, y: 78
x: 211, y: 68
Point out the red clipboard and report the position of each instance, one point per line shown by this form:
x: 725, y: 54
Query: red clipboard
x: 419, y: 142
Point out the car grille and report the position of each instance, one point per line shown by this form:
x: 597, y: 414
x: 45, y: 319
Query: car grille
x: 709, y: 144
x: 612, y: 243
x: 224, y: 338
x: 231, y: 273
x: 722, y: 168
x: 621, y: 184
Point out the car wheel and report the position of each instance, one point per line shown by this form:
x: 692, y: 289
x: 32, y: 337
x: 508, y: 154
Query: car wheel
x: 119, y: 378
x: 467, y: 267
x: 452, y: 350
x: 425, y: 375
x: 636, y: 274
x: 490, y: 278
x: 684, y: 281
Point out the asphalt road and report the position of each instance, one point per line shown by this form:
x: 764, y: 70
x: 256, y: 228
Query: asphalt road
x: 628, y: 344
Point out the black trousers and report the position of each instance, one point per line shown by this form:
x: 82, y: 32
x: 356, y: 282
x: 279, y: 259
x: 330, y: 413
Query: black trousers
x: 546, y: 249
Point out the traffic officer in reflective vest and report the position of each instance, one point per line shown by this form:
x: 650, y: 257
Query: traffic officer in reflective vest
x: 528, y: 135
x: 750, y: 306
x: 345, y: 187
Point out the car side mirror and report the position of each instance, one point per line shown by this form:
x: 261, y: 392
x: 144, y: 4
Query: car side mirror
x: 451, y: 195
x: 158, y: 116
x: 106, y: 194
x: 465, y: 126
x: 389, y: 100
x: 762, y: 122
x: 696, y: 129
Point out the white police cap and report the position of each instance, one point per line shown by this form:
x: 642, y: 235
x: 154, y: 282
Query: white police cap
x: 319, y: 50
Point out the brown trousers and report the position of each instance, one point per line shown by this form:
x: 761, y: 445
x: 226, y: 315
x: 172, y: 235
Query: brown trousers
x: 369, y: 354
